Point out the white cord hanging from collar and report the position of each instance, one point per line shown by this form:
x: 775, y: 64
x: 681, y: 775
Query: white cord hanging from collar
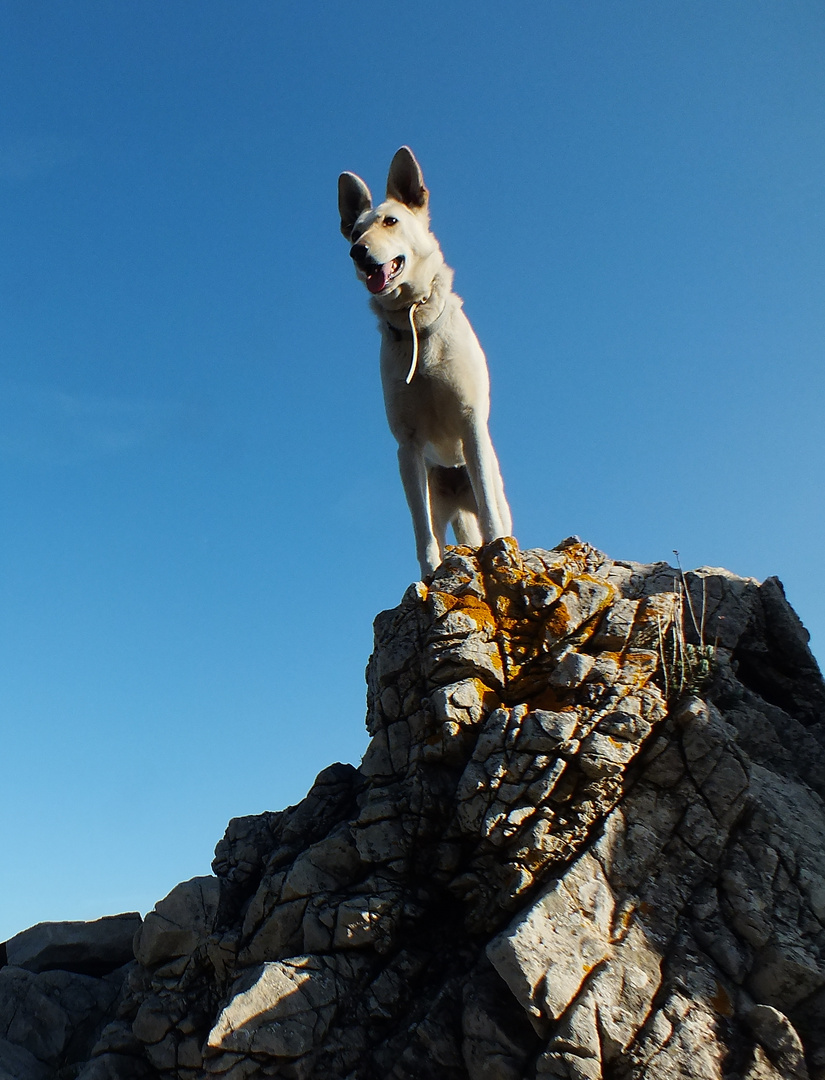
x: 414, y: 362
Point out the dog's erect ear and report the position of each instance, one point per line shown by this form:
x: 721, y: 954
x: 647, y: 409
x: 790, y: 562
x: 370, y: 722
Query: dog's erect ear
x: 406, y: 181
x: 353, y: 199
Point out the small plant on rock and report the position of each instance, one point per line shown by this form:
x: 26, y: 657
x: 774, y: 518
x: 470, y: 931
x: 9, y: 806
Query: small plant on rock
x: 687, y: 666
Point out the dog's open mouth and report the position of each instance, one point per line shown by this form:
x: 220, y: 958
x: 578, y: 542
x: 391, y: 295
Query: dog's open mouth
x: 379, y: 278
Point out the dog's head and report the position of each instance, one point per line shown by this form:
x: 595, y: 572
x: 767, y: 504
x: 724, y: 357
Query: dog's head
x: 390, y: 242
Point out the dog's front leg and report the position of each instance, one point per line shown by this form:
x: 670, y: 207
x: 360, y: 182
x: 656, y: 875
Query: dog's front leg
x: 414, y: 478
x: 485, y: 476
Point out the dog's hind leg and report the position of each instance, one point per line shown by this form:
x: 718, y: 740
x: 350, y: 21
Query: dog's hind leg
x: 442, y: 508
x: 488, y: 488
x: 453, y: 503
x: 501, y: 499
x: 465, y: 527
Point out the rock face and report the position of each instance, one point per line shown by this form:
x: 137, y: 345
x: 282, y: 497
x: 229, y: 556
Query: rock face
x: 59, y: 984
x: 587, y: 841
x: 88, y: 948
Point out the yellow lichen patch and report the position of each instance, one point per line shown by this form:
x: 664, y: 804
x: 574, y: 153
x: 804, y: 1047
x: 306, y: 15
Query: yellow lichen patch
x: 594, y: 595
x: 531, y: 611
x: 530, y: 605
x: 441, y: 602
x: 557, y: 625
x: 469, y: 702
x: 489, y: 700
x: 502, y: 561
x: 577, y: 610
x: 721, y: 1001
x: 616, y: 657
x: 578, y: 557
x: 654, y: 617
x: 508, y: 609
x: 638, y: 666
x: 551, y: 699
x: 476, y: 610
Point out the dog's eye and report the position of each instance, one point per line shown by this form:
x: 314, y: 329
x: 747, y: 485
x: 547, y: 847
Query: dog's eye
x: 390, y: 220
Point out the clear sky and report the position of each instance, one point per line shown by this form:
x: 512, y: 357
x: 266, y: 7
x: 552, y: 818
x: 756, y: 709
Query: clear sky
x: 201, y: 512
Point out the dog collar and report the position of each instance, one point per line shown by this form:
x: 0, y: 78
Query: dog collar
x: 424, y: 332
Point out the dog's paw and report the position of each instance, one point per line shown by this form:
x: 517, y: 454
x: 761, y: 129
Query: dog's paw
x: 429, y: 560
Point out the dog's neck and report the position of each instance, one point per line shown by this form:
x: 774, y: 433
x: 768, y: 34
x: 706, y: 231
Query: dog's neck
x: 433, y: 303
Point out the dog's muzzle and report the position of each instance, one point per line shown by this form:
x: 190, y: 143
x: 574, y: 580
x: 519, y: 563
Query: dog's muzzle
x: 378, y: 275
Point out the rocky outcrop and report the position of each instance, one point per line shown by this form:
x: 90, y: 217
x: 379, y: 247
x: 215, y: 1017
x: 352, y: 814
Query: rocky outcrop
x: 88, y: 948
x: 586, y: 841
x: 59, y: 984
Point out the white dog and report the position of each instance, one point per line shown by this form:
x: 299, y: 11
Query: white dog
x: 433, y: 370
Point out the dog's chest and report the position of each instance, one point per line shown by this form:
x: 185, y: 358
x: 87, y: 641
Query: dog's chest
x: 448, y: 388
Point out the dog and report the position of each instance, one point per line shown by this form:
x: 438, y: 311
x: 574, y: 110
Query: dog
x: 433, y: 370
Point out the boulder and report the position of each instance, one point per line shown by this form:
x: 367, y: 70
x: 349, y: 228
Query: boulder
x: 179, y: 923
x: 90, y: 948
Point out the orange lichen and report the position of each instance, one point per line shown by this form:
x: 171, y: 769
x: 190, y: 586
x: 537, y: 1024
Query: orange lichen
x: 489, y: 700
x: 551, y: 699
x: 442, y: 602
x: 531, y: 607
x: 477, y: 610
x: 558, y: 623
x: 722, y: 1001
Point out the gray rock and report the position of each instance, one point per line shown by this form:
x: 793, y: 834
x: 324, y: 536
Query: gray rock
x: 179, y: 923
x: 547, y: 952
x: 116, y: 1067
x: 55, y: 1016
x: 283, y: 1010
x: 91, y: 948
x: 587, y: 841
x: 17, y: 1063
x: 777, y: 1035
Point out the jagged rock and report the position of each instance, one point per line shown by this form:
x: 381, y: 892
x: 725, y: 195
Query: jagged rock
x: 89, y: 948
x: 586, y: 841
x: 284, y: 1008
x: 116, y: 1067
x: 54, y: 1016
x: 16, y: 1063
x: 179, y: 923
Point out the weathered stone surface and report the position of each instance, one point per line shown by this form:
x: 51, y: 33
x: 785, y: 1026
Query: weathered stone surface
x: 117, y: 1067
x: 586, y: 841
x: 16, y: 1063
x: 54, y: 1016
x: 179, y: 923
x: 547, y: 953
x: 90, y: 948
x: 284, y: 1013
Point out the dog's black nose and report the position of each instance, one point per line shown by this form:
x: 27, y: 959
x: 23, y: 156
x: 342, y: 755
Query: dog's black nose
x: 359, y: 253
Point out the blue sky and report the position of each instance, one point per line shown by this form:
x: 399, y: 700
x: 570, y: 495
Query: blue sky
x: 202, y: 512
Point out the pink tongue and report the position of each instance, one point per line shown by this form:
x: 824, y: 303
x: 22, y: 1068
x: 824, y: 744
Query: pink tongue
x: 377, y: 280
